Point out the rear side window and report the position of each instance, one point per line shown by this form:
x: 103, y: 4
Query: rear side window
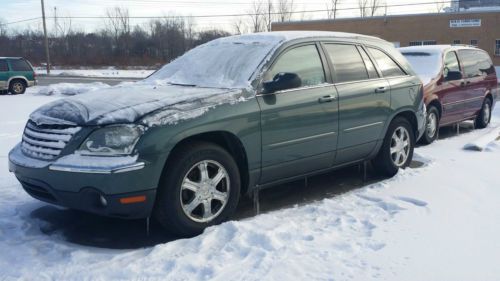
x: 20, y: 65
x: 3, y: 66
x: 347, y: 62
x: 386, y: 64
x: 475, y: 63
x: 304, y: 61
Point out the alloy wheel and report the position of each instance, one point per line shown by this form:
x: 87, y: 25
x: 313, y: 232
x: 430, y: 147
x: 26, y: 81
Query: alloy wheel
x: 17, y: 88
x: 431, y: 125
x: 400, y: 146
x: 205, y: 191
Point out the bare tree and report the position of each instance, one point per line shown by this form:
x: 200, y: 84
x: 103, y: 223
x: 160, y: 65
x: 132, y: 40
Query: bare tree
x: 363, y: 8
x: 257, y: 16
x: 440, y: 6
x: 239, y: 26
x: 332, y: 8
x: 3, y: 28
x: 118, y: 21
x: 374, y: 6
x: 285, y: 9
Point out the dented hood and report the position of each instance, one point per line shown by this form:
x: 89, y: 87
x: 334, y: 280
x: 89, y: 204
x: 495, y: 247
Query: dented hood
x: 127, y: 104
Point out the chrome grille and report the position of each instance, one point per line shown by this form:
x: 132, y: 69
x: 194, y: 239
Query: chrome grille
x: 46, y: 141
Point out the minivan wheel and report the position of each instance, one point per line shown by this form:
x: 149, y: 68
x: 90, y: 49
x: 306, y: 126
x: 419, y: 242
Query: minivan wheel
x: 432, y: 126
x: 17, y: 87
x: 483, y: 119
x: 200, y: 188
x: 397, y: 149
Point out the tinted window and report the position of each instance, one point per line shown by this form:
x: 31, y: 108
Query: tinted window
x: 20, y: 65
x: 388, y: 67
x: 475, y: 63
x: 347, y: 62
x: 304, y: 61
x: 3, y: 66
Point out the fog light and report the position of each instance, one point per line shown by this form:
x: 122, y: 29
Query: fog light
x: 103, y: 201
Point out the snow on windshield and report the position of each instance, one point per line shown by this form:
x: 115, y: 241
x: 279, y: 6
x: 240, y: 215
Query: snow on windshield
x: 426, y: 65
x: 223, y: 63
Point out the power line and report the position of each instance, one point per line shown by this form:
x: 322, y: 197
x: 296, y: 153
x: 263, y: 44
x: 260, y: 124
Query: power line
x: 25, y: 20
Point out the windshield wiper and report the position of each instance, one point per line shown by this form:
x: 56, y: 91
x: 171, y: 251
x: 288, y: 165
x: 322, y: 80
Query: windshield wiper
x: 178, y: 84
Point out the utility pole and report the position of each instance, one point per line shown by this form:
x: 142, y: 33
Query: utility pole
x: 269, y: 7
x: 46, y: 39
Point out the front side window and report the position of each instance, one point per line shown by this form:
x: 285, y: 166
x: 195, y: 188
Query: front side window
x: 347, y: 62
x: 20, y: 65
x: 386, y: 64
x: 451, y: 62
x: 3, y: 66
x: 303, y: 61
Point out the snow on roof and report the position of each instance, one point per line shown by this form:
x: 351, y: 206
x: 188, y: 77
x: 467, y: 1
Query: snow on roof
x: 284, y: 36
x: 433, y: 49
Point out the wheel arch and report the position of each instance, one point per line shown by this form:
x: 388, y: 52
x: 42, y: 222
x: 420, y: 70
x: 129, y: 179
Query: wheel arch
x: 14, y: 78
x: 227, y: 140
x: 436, y: 103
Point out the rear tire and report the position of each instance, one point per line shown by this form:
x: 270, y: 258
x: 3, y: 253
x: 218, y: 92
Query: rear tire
x: 484, y: 117
x: 397, y: 149
x: 17, y: 87
x: 431, y: 126
x: 200, y: 187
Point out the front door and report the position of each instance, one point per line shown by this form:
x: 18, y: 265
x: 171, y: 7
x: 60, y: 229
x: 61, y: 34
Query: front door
x: 451, y: 92
x: 299, y: 125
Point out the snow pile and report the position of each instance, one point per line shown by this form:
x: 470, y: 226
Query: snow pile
x: 437, y: 222
x: 97, y: 73
x: 66, y: 89
x: 490, y: 137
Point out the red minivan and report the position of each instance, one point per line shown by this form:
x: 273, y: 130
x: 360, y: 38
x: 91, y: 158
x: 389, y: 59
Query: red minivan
x: 460, y: 84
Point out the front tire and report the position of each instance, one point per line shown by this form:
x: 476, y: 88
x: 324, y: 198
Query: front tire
x: 431, y: 126
x: 484, y: 117
x: 397, y: 149
x: 17, y: 87
x: 200, y: 188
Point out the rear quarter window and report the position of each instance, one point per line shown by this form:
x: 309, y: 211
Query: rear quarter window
x: 20, y: 65
x: 386, y: 64
x: 3, y: 66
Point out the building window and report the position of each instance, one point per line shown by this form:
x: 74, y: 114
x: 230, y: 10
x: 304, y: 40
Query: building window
x: 456, y: 42
x: 497, y: 47
x: 474, y: 42
x: 422, y: 43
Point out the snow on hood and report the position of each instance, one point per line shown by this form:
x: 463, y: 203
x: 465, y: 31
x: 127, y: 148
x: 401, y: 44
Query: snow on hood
x: 427, y: 65
x: 128, y: 104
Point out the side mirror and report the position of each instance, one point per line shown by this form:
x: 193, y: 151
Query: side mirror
x: 282, y: 81
x: 453, y: 75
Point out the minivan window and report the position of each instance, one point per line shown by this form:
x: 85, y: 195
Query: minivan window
x: 20, y: 65
x: 450, y: 63
x: 3, y: 66
x: 475, y: 63
x: 388, y: 67
x: 347, y: 62
x: 303, y: 61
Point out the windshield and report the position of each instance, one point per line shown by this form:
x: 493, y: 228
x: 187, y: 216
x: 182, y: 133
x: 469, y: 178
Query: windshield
x: 426, y: 65
x: 223, y: 63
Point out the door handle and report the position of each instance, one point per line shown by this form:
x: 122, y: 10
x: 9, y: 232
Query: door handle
x: 324, y: 99
x: 380, y: 90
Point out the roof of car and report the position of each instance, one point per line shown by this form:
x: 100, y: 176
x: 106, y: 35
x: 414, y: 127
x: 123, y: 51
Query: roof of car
x: 435, y: 49
x: 285, y: 36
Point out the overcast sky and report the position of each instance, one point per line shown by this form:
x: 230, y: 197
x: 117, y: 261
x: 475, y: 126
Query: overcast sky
x: 14, y: 10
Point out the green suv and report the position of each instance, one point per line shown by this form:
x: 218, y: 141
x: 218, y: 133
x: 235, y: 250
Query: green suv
x: 16, y: 74
x: 229, y: 117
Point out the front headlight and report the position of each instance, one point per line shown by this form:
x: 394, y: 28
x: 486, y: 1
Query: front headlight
x: 112, y: 140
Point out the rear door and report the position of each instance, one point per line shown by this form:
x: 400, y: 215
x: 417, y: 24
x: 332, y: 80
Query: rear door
x: 478, y: 68
x: 21, y: 68
x: 4, y: 74
x: 364, y: 98
x: 299, y: 126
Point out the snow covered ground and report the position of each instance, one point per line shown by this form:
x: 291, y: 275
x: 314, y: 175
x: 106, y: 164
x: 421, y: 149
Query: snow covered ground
x: 108, y: 72
x: 437, y: 222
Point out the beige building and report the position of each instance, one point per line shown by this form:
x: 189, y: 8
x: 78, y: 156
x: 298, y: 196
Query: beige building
x: 481, y: 29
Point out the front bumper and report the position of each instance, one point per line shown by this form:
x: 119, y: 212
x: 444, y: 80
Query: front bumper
x: 118, y: 191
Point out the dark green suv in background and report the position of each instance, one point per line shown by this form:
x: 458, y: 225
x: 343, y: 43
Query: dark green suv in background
x: 229, y: 117
x: 16, y: 74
